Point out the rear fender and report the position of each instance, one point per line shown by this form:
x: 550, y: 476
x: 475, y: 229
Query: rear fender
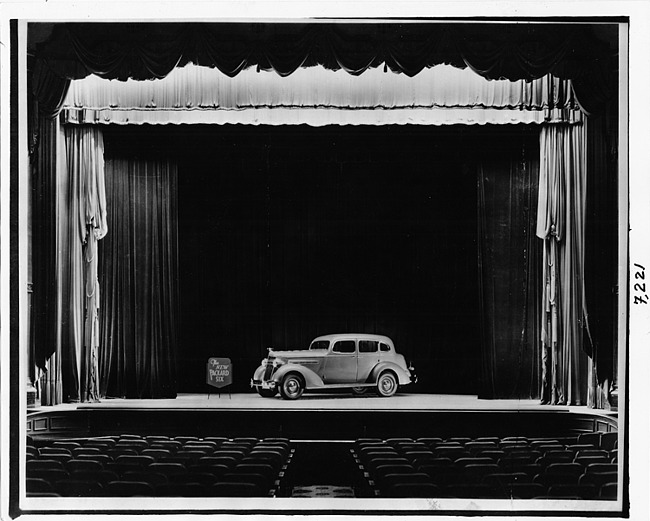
x: 403, y: 377
x: 312, y: 380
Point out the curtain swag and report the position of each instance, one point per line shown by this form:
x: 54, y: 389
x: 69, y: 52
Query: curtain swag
x: 440, y: 95
x: 494, y: 51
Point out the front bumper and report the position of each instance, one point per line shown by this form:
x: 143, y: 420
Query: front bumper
x: 263, y: 384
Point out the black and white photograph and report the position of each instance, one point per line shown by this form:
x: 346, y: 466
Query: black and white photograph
x: 323, y: 259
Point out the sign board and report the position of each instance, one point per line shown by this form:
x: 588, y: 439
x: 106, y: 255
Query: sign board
x: 219, y: 372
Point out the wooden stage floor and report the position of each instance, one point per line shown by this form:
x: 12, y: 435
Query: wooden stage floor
x: 324, y: 401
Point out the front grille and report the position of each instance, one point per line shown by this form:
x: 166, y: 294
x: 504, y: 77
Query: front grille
x: 268, y: 371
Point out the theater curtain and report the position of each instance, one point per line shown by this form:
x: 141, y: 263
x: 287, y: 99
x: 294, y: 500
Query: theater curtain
x: 601, y: 251
x: 495, y: 51
x: 440, y: 95
x: 509, y: 271
x: 561, y: 225
x: 139, y: 280
x: 69, y: 217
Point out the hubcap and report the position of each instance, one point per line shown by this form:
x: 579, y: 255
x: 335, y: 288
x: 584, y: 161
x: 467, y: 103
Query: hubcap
x: 292, y: 386
x: 386, y: 384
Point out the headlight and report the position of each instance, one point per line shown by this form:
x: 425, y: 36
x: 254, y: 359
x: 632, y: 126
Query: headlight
x: 264, y: 362
x: 278, y: 362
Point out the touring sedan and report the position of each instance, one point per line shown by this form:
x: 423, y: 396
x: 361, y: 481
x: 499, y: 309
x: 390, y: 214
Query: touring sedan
x: 354, y: 361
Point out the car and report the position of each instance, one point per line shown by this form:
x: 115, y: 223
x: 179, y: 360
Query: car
x: 340, y: 361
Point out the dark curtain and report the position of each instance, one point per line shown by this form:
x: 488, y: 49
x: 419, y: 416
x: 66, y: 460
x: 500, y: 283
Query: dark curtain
x: 512, y: 51
x: 139, y: 280
x: 601, y: 254
x: 509, y: 273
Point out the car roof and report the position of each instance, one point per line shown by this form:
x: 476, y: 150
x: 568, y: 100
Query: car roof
x: 365, y: 336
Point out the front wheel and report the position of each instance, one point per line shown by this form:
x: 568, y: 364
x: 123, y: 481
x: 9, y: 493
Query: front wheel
x: 266, y: 393
x: 386, y: 384
x: 358, y: 391
x: 292, y: 387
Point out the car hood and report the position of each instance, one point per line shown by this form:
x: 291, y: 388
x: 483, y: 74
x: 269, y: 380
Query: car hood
x: 299, y: 353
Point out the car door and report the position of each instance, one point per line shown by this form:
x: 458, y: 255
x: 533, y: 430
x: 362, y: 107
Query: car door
x: 367, y: 358
x: 341, y: 362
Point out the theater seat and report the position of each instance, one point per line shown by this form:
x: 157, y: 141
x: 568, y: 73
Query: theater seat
x: 183, y: 490
x: 598, y: 479
x: 154, y: 479
x: 469, y: 491
x: 525, y: 490
x: 81, y: 464
x: 234, y: 489
x: 608, y: 491
x: 572, y: 491
x: 414, y: 490
x: 103, y: 477
x: 33, y: 485
x: 590, y: 438
x: 129, y: 489
x: 609, y: 441
x: 78, y: 488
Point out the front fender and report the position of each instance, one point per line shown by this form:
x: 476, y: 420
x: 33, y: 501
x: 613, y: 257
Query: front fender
x: 403, y: 376
x: 259, y: 373
x: 311, y: 378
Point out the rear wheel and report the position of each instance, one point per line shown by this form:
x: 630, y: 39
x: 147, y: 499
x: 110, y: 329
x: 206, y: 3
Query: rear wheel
x: 292, y: 387
x: 266, y: 393
x: 386, y: 384
x: 359, y: 390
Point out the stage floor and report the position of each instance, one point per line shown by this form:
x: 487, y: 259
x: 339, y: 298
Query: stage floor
x: 335, y: 402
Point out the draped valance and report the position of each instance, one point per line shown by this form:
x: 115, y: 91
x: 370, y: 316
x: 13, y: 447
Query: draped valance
x: 440, y: 95
x: 142, y: 51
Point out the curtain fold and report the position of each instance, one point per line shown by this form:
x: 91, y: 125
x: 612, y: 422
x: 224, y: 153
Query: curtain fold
x: 561, y: 225
x: 508, y: 270
x: 139, y: 277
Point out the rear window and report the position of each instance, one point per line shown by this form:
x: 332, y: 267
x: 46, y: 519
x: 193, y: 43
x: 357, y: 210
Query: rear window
x: 320, y: 344
x: 368, y: 346
x: 384, y: 347
x: 344, y: 346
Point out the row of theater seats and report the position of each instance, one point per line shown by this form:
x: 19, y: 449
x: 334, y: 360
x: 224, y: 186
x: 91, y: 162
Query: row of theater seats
x: 157, y: 466
x: 583, y: 467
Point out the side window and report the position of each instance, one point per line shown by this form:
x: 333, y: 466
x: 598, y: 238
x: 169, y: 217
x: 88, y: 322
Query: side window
x: 368, y: 346
x: 384, y: 347
x: 344, y: 346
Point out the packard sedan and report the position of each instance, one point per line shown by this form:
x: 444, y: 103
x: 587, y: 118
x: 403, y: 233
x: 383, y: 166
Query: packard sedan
x: 342, y: 361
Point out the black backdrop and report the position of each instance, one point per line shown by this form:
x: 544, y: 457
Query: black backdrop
x: 290, y: 232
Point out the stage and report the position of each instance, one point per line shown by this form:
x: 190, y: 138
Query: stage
x: 323, y: 401
x: 318, y: 416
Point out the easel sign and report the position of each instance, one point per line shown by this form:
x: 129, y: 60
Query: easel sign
x: 219, y: 374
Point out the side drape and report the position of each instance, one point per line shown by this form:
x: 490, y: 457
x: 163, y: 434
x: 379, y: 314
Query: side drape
x: 139, y: 279
x: 68, y: 198
x: 508, y: 276
x: 601, y: 267
x: 49, y: 284
x: 85, y: 153
x: 561, y: 225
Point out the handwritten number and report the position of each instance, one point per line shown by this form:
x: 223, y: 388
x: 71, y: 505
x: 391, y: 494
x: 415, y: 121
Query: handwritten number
x: 639, y: 287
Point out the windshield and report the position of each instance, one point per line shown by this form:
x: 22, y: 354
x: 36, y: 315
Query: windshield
x: 320, y: 344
